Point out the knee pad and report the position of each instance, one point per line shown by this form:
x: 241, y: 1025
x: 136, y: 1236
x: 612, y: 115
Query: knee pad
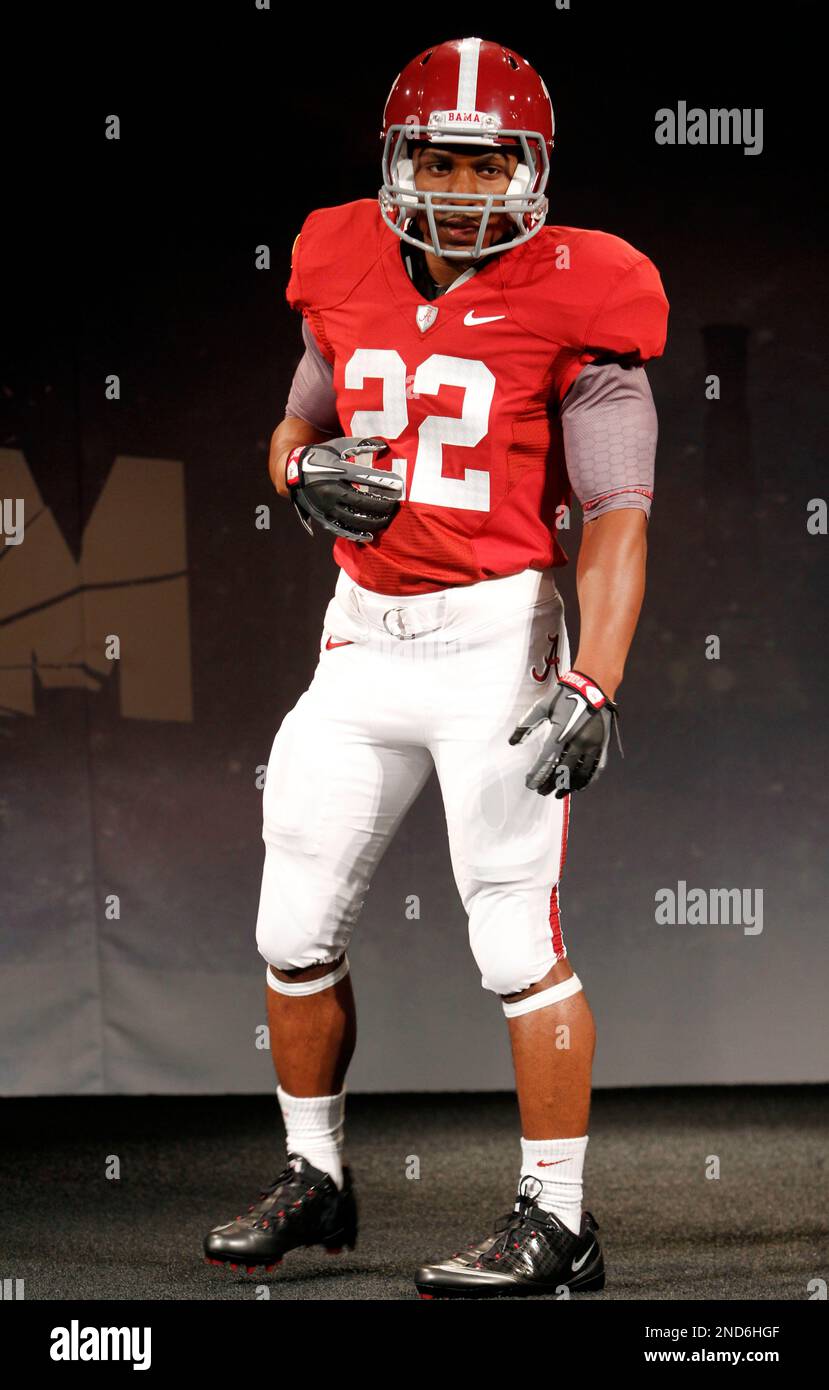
x: 511, y: 935
x: 302, y: 987
x: 544, y: 998
x: 305, y: 915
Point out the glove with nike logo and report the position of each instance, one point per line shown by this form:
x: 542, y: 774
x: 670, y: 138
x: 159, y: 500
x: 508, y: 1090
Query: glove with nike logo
x: 329, y: 483
x: 580, y: 716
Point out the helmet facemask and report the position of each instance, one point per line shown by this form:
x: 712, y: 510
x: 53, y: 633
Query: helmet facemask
x: 523, y: 200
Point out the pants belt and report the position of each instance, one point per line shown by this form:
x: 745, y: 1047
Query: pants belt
x: 406, y: 617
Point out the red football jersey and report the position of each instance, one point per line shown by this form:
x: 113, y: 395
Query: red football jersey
x: 466, y: 388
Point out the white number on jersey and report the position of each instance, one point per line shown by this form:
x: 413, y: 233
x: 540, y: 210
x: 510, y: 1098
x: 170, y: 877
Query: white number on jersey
x: 428, y: 485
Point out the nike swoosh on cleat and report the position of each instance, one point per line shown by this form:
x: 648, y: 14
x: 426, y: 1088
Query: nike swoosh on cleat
x: 470, y: 319
x: 577, y: 1264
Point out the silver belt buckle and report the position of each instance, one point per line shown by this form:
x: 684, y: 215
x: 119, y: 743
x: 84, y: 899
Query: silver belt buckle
x: 397, y: 627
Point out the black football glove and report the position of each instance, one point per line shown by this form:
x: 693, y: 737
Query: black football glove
x: 329, y: 483
x: 575, y: 748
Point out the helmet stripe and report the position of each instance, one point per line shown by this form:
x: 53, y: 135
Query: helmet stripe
x: 468, y: 75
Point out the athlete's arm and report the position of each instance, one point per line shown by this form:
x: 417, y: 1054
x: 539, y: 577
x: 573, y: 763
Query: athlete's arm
x: 312, y: 396
x: 609, y: 426
x: 310, y: 412
x: 290, y: 434
x: 610, y: 580
x: 610, y: 429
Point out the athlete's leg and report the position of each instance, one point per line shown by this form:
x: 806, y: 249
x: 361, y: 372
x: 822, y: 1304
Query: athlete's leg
x: 552, y: 1053
x: 312, y: 1036
x: 508, y: 846
x: 340, y: 778
x: 344, y: 767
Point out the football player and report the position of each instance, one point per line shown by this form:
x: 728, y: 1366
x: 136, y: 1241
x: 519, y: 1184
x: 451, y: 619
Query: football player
x: 466, y: 368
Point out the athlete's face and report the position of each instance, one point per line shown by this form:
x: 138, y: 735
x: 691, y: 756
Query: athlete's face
x: 446, y: 169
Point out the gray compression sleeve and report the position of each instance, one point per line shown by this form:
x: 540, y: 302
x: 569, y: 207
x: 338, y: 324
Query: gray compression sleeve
x: 608, y: 419
x: 312, y: 395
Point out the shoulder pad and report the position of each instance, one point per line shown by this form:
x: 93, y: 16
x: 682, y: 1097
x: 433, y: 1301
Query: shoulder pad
x: 582, y: 288
x: 592, y: 295
x: 335, y: 249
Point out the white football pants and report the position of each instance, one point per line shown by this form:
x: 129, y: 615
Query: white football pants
x: 405, y: 684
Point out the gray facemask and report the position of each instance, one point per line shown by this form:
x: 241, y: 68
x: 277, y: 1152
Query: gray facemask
x: 524, y: 200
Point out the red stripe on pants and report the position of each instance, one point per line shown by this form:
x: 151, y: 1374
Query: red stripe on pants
x: 555, y: 917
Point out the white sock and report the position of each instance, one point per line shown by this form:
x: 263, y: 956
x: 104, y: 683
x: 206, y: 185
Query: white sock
x: 314, y: 1129
x: 558, y: 1165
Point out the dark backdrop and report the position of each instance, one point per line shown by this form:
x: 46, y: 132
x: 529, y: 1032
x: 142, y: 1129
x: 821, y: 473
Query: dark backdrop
x: 129, y: 809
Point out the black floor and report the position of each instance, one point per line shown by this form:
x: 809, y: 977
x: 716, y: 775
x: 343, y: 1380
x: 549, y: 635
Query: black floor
x: 758, y: 1231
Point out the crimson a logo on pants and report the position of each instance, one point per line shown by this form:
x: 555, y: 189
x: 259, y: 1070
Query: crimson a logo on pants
x: 550, y: 660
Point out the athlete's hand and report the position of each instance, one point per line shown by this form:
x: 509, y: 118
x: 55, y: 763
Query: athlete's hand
x: 331, y: 483
x: 575, y: 748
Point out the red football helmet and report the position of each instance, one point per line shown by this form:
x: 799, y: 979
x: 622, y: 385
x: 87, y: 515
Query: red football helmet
x: 467, y: 92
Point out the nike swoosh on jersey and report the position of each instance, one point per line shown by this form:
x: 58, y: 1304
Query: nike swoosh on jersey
x: 470, y: 319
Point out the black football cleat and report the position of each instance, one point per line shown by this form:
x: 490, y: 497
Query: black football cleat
x: 530, y: 1252
x: 302, y: 1206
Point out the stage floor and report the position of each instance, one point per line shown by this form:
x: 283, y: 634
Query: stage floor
x: 189, y: 1163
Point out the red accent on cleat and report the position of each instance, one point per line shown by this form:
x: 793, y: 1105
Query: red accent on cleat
x: 234, y: 1268
x: 334, y: 1249
x: 427, y: 1295
x: 249, y: 1269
